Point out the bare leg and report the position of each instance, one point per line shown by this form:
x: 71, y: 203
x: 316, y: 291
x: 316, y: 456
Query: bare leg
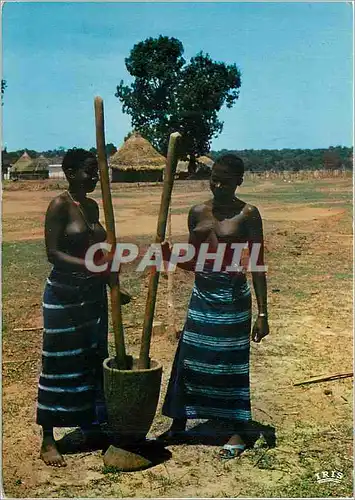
x: 49, y: 451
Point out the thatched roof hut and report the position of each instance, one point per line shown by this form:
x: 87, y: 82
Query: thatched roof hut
x: 40, y: 163
x: 27, y: 168
x: 206, y: 161
x: 23, y: 162
x: 203, y: 168
x: 136, y: 161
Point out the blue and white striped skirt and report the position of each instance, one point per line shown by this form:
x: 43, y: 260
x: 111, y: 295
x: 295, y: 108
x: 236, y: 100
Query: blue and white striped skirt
x: 70, y: 391
x: 210, y: 374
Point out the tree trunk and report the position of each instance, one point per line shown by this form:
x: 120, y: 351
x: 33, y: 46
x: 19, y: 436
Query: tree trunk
x: 192, y: 165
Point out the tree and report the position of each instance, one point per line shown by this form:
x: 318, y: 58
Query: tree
x: 3, y: 87
x: 169, y: 95
x: 110, y: 149
x: 332, y: 159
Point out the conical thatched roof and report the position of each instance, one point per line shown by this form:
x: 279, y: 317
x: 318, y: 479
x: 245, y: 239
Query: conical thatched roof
x: 22, y: 163
x: 27, y: 164
x: 205, y: 160
x: 137, y: 154
x: 202, y: 162
x: 40, y: 163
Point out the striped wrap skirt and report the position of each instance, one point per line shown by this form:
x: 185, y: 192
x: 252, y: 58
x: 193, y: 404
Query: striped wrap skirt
x: 75, y: 318
x: 210, y: 373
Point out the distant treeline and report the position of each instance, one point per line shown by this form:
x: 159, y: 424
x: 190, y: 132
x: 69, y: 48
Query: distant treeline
x: 259, y: 160
x: 255, y: 160
x: 13, y: 156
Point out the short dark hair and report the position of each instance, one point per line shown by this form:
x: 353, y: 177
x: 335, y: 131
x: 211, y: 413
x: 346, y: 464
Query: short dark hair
x: 75, y: 158
x: 232, y: 162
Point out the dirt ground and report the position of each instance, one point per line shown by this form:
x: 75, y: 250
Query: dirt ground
x: 308, y: 235
x: 135, y: 215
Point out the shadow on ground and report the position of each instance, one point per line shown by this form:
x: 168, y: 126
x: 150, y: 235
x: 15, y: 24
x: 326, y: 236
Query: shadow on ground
x: 76, y: 442
x: 217, y: 433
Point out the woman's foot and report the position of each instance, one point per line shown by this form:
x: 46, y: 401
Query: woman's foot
x: 233, y: 448
x: 50, y: 454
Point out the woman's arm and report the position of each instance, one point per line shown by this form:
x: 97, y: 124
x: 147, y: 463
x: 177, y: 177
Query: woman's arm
x: 255, y: 236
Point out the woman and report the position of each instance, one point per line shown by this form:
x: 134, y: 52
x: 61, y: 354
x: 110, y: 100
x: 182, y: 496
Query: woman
x: 210, y: 374
x: 74, y: 310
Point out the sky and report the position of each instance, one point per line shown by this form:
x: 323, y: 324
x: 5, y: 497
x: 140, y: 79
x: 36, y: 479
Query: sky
x: 296, y: 61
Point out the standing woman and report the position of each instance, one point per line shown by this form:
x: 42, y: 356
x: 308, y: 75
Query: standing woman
x: 210, y: 374
x: 75, y: 313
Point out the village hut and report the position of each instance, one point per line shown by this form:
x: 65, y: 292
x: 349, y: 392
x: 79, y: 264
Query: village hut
x: 204, y: 166
x: 55, y: 168
x: 137, y: 161
x: 201, y: 170
x: 182, y: 170
x: 29, y: 169
x: 205, y: 161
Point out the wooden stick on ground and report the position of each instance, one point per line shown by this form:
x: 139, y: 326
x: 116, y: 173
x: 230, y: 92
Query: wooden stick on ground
x: 116, y: 311
x: 336, y: 376
x: 171, y: 163
x: 28, y: 329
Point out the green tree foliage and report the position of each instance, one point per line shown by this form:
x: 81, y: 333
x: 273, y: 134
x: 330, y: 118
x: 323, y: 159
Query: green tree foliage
x: 110, y: 149
x: 293, y: 159
x: 255, y: 160
x: 168, y: 94
x: 3, y: 87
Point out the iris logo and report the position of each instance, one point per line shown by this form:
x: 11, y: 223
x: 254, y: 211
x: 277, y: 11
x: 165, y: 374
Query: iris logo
x: 334, y: 476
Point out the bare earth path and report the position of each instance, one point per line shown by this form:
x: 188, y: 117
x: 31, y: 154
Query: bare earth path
x: 310, y: 282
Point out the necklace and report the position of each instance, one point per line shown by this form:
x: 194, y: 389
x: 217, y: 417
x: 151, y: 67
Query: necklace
x: 77, y: 204
x: 72, y: 199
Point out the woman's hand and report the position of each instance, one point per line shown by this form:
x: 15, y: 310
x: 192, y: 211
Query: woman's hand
x: 105, y: 258
x: 107, y: 276
x: 166, y: 251
x: 260, y: 329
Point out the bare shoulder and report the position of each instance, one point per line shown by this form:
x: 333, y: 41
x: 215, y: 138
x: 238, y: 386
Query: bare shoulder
x: 198, y: 209
x: 195, y: 215
x: 251, y: 211
x: 58, y: 204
